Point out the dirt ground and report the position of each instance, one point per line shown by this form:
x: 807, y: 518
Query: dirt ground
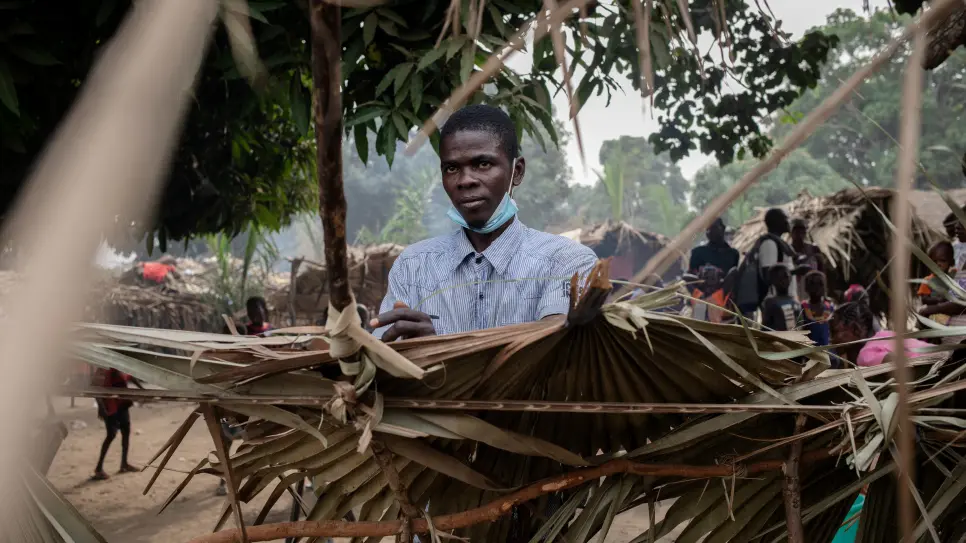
x: 122, y: 513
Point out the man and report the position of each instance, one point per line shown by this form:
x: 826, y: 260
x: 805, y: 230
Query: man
x: 753, y: 283
x: 493, y: 270
x: 774, y: 251
x: 807, y: 255
x: 716, y: 251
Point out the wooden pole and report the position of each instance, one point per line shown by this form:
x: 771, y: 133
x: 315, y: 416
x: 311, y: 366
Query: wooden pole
x: 501, y: 506
x: 910, y: 119
x: 792, y: 487
x: 326, y: 22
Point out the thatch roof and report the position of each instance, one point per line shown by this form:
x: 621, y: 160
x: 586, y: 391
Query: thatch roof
x: 368, y: 278
x: 931, y: 207
x: 611, y: 239
x: 850, y: 232
x: 158, y: 306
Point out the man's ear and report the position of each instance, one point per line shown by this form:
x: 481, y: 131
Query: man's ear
x: 519, y: 169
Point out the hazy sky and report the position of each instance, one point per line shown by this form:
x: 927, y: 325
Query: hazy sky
x: 624, y: 116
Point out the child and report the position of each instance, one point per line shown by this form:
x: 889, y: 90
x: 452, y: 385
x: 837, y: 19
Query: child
x: 817, y: 310
x: 933, y: 302
x: 780, y: 311
x: 858, y: 294
x: 853, y: 322
x: 710, y: 296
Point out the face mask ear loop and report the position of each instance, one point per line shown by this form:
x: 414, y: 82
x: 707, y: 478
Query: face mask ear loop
x: 513, y: 174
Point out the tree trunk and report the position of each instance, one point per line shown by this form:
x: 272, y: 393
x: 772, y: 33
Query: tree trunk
x: 326, y: 22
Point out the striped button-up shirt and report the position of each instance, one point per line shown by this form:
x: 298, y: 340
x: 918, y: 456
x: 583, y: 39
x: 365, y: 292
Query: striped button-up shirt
x: 523, y: 276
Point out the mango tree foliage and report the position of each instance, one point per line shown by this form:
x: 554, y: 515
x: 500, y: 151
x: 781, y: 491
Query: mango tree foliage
x: 637, y: 185
x: 247, y: 154
x: 797, y: 172
x: 860, y: 140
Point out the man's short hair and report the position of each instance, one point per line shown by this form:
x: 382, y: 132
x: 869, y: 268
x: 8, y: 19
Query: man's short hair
x: 256, y: 301
x: 484, y: 118
x: 774, y: 217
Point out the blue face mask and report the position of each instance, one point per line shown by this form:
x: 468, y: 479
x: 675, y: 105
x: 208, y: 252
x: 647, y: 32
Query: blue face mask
x: 504, y: 212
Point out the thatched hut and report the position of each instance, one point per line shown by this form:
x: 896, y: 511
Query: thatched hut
x: 142, y: 306
x: 931, y: 207
x: 851, y: 234
x: 629, y: 248
x: 368, y: 278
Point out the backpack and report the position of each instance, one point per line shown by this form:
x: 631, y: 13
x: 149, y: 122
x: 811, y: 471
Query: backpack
x: 750, y: 286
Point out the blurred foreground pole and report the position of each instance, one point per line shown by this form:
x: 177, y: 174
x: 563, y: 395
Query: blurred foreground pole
x: 326, y: 22
x: 110, y: 153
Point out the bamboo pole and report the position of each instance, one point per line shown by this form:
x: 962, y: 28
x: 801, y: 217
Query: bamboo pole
x: 504, y: 505
x: 909, y: 128
x: 938, y: 10
x: 326, y: 22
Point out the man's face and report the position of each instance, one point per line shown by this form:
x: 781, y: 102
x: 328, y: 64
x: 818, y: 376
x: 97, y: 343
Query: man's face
x: 783, y: 224
x: 943, y: 259
x: 476, y: 173
x: 798, y: 233
x: 961, y: 232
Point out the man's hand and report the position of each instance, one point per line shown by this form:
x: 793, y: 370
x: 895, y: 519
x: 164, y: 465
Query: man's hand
x: 406, y: 323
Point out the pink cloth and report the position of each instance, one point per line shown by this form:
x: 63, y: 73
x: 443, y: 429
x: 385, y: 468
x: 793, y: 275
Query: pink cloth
x: 875, y: 351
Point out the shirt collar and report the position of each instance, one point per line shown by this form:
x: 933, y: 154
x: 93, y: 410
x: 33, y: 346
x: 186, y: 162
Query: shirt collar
x: 499, y: 253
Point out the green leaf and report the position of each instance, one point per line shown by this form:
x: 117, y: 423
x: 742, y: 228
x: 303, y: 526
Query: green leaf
x: 402, y: 73
x: 38, y: 58
x: 430, y: 57
x: 389, y: 28
x: 467, y: 62
x: 365, y: 114
x: 361, y: 136
x: 301, y: 104
x: 387, y: 80
x: 497, y: 17
x: 416, y: 90
x: 369, y: 28
x: 256, y: 14
x: 401, y: 127
x: 455, y: 44
x: 387, y: 13
x: 8, y: 93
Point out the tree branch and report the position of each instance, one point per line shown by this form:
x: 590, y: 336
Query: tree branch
x: 792, y: 487
x: 502, y: 506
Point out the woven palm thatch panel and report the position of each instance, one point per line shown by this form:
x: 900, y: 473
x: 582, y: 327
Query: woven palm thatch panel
x: 851, y: 234
x: 368, y: 278
x: 631, y: 248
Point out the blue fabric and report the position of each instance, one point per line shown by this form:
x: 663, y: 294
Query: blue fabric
x: 504, y: 212
x: 818, y: 329
x: 850, y: 530
x: 523, y: 276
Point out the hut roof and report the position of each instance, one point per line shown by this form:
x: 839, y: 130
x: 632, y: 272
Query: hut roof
x: 612, y: 237
x: 142, y: 306
x: 368, y: 277
x: 931, y: 207
x: 850, y: 233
